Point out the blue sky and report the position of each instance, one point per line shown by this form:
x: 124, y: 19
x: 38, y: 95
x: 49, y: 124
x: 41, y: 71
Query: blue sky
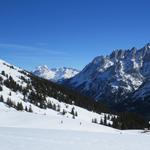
x: 70, y: 32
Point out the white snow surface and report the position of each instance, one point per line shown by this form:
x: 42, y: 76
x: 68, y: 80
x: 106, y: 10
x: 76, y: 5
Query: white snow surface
x: 22, y: 130
x: 55, y: 74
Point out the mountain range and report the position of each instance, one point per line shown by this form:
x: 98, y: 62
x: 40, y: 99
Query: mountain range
x: 55, y: 74
x: 21, y: 90
x: 120, y: 79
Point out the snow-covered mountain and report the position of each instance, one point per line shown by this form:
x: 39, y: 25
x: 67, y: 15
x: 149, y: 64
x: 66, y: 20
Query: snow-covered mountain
x: 36, y: 114
x: 121, y: 75
x: 22, y: 91
x: 55, y: 74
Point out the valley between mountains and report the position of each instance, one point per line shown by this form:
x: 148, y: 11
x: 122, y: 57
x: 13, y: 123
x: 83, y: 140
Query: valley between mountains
x: 70, y: 109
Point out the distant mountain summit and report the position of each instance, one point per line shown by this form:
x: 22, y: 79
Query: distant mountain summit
x: 55, y: 74
x: 122, y: 75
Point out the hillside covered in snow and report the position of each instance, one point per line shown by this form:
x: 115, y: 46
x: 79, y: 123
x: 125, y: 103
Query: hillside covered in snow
x: 22, y: 91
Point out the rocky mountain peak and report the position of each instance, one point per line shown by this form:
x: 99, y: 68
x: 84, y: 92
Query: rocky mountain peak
x: 116, y: 76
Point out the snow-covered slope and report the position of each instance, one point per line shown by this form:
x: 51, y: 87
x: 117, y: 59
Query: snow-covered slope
x: 18, y: 87
x: 116, y: 77
x: 23, y: 130
x: 55, y: 74
x: 48, y: 129
x: 50, y: 119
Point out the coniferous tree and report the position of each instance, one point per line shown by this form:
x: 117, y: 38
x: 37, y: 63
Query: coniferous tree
x: 73, y: 117
x: 19, y: 106
x: 3, y: 73
x: 9, y: 102
x: 108, y: 117
x: 49, y: 104
x: 72, y: 111
x: 64, y: 112
x: 109, y: 125
x: 105, y: 120
x: 54, y: 107
x: 9, y: 93
x: 1, y: 98
x: 94, y: 120
x: 76, y: 114
x: 58, y: 107
x: 26, y: 109
x: 101, y: 121
x: 1, y: 89
x: 30, y: 109
x: 1, y: 79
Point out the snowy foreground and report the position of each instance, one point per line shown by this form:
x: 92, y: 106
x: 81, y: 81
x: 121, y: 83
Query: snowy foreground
x: 44, y: 139
x: 29, y: 131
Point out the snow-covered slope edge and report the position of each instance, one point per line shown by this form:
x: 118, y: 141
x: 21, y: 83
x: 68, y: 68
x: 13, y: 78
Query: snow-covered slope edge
x: 55, y: 74
x: 50, y: 119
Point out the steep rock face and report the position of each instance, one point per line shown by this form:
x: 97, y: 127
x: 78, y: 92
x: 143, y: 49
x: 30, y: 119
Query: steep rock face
x: 115, y: 77
x: 55, y: 74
